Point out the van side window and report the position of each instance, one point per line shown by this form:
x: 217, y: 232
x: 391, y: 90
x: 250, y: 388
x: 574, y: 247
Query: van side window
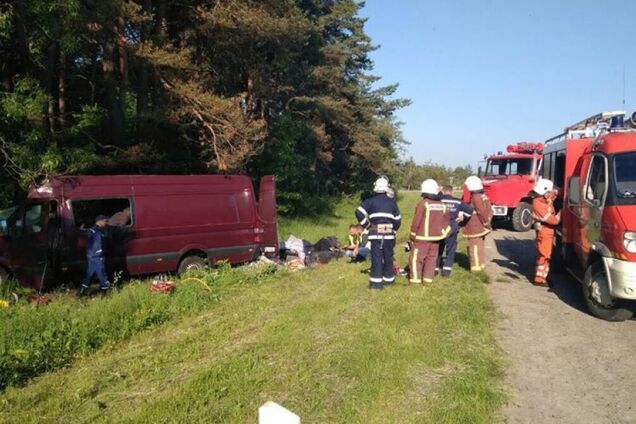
x: 33, y: 218
x: 119, y: 212
x: 597, y: 180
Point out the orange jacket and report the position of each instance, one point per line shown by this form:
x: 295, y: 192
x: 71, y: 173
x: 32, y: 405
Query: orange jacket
x: 479, y: 223
x: 544, y: 215
x: 431, y: 221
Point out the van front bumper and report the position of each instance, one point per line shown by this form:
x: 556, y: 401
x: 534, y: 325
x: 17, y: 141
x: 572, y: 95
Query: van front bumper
x: 622, y: 278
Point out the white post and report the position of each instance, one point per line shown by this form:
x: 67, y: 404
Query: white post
x: 273, y: 413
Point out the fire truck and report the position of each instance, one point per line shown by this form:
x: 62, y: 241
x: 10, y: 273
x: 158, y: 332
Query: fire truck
x: 594, y: 164
x: 508, y: 178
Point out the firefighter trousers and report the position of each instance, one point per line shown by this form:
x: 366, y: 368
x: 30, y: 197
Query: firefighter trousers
x: 545, y: 238
x: 445, y: 263
x: 381, y: 263
x: 423, y: 260
x: 477, y: 253
x: 96, y: 267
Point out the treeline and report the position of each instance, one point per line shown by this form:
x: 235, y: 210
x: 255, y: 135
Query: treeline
x: 193, y: 86
x: 410, y: 175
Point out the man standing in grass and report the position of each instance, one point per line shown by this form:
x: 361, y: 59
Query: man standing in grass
x: 458, y: 211
x: 95, y: 256
x: 381, y: 216
x: 430, y: 226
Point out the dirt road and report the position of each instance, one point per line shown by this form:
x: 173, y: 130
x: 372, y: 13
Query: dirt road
x: 566, y: 366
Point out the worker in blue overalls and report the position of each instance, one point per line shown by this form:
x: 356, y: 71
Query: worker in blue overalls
x: 381, y: 216
x: 458, y: 212
x: 95, y: 256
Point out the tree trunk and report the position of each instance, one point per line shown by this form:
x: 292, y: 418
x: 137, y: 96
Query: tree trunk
x: 123, y: 69
x: 115, y: 114
x: 61, y: 91
x: 52, y: 85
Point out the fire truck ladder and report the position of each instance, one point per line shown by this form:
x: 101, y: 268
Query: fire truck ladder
x: 587, y: 128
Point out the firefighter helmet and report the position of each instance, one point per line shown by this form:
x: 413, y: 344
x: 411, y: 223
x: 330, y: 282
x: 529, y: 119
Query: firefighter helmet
x: 381, y: 185
x: 542, y: 186
x: 473, y: 183
x: 430, y: 186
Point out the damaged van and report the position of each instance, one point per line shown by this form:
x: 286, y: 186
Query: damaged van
x: 156, y: 224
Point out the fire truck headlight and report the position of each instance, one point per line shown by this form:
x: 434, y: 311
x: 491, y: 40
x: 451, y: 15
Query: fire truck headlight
x: 629, y: 241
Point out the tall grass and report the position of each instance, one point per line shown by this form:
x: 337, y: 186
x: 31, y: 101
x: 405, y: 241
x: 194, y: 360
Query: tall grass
x: 38, y: 339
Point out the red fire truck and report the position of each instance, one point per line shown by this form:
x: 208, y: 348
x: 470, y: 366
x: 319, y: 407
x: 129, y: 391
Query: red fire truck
x: 594, y: 162
x: 508, y: 178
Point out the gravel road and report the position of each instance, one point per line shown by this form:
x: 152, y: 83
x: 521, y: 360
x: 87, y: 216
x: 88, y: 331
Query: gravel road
x: 566, y: 366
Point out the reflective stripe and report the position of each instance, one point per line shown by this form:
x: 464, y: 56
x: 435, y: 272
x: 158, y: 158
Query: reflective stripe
x: 381, y: 237
x: 414, y: 265
x: 364, y: 221
x: 388, y: 280
x: 375, y: 280
x: 427, y: 280
x: 416, y: 281
x: 363, y: 211
x: 476, y: 256
x: 447, y: 268
x: 483, y: 233
x: 475, y: 268
x: 457, y: 202
x: 444, y: 234
x: 427, y: 218
x: 384, y: 215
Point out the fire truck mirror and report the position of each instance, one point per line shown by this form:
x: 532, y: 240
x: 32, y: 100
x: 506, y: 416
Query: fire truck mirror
x: 574, y: 191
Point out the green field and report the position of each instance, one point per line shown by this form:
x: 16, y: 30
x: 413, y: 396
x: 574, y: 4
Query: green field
x: 316, y: 341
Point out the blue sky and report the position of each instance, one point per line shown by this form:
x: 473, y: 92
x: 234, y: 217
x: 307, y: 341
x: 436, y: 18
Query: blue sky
x: 485, y: 73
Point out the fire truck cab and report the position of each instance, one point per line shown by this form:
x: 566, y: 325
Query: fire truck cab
x: 594, y: 164
x: 508, y: 178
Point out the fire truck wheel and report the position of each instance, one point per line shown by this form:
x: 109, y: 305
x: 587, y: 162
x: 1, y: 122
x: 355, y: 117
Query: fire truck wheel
x: 522, y: 217
x: 598, y: 299
x: 190, y: 263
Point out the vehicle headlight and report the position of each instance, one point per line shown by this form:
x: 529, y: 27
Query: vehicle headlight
x: 629, y: 241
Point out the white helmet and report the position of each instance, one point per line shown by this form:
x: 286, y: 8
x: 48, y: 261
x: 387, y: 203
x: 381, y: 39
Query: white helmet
x: 381, y: 185
x: 473, y: 183
x: 430, y: 186
x: 542, y: 186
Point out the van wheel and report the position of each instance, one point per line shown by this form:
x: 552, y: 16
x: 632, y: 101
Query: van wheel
x: 597, y: 296
x: 522, y: 217
x: 191, y: 263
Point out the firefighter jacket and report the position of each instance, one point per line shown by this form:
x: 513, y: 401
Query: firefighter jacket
x: 455, y: 206
x: 381, y: 216
x: 95, y: 246
x: 431, y: 221
x: 543, y: 214
x: 479, y: 223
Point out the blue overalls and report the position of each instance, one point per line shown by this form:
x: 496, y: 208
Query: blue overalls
x: 381, y: 216
x: 95, y: 258
x: 455, y: 206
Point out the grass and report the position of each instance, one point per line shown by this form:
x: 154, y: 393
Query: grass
x: 317, y: 342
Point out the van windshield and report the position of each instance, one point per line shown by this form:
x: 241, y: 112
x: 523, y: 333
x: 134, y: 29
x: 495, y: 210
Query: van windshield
x: 625, y: 175
x: 510, y: 166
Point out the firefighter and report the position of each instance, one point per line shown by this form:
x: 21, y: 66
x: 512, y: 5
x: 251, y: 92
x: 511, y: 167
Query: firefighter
x: 95, y: 256
x: 478, y: 226
x: 381, y: 216
x: 458, y: 212
x: 545, y: 222
x: 430, y: 226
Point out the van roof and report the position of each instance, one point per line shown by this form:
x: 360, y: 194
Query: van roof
x: 107, y: 184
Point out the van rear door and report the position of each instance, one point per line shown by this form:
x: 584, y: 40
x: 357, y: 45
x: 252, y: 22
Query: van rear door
x: 267, y: 232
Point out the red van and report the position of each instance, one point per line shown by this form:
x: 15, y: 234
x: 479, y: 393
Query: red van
x: 594, y: 162
x: 157, y: 224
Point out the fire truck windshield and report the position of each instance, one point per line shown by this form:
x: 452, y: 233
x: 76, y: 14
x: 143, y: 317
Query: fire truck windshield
x: 510, y: 166
x: 625, y: 175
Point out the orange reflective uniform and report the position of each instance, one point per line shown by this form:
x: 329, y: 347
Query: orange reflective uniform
x: 476, y: 229
x: 431, y: 223
x: 545, y: 222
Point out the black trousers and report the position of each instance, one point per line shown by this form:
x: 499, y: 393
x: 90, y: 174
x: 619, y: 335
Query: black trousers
x: 446, y: 262
x: 381, y: 263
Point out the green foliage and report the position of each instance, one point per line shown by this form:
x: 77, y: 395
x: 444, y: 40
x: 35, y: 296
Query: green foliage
x: 167, y: 86
x: 411, y: 175
x: 34, y: 340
